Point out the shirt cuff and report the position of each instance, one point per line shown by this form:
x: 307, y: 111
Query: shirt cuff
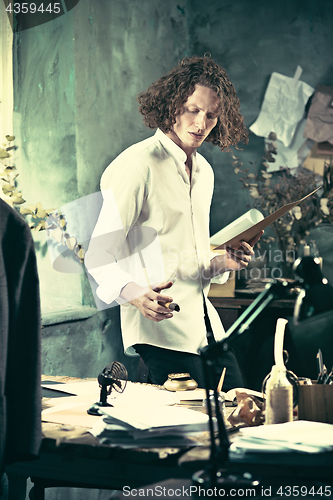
x: 111, y: 280
x: 220, y: 279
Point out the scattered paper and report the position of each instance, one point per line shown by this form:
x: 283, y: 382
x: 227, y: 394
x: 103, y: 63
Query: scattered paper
x: 300, y: 436
x: 74, y: 415
x: 283, y: 107
x: 169, y: 419
x: 114, y: 435
x: 316, y: 162
x: 76, y: 389
x: 151, y: 427
x: 134, y: 394
x: 319, y: 123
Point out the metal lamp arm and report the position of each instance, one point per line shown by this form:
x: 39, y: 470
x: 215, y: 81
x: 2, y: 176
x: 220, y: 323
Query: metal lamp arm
x: 211, y: 352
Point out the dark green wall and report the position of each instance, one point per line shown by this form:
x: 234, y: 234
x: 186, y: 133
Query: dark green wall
x: 75, y: 82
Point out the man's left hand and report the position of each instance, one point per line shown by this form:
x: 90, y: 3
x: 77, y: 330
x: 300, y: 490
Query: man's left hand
x: 235, y: 258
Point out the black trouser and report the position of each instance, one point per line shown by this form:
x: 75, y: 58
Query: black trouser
x: 161, y: 362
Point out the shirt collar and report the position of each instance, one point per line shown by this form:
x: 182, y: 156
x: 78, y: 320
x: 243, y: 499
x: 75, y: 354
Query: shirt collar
x: 178, y: 155
x: 172, y: 148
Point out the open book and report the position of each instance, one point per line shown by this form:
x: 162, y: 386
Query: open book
x: 249, y: 225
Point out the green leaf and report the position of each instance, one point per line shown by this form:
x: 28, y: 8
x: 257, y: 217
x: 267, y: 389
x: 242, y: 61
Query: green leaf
x: 57, y: 234
x: 17, y: 198
x: 3, y: 154
x: 40, y: 226
x: 71, y: 242
x: 8, y: 189
x: 41, y: 214
x: 25, y: 211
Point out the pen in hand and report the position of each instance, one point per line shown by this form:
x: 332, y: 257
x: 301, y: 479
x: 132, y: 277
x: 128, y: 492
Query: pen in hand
x: 172, y: 306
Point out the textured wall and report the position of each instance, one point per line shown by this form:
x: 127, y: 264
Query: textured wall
x: 76, y: 79
x: 120, y: 49
x: 252, y: 40
x: 75, y: 82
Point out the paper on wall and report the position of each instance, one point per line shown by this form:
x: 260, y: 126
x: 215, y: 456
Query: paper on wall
x: 316, y: 162
x: 283, y: 107
x: 319, y: 123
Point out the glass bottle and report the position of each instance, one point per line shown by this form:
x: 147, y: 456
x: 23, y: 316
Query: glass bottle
x: 279, y: 397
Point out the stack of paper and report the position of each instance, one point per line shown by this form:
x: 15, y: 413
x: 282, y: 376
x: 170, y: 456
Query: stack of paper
x: 150, y: 426
x: 298, y: 436
x: 72, y: 410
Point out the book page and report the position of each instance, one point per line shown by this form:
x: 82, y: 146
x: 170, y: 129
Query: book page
x: 252, y: 231
x: 237, y: 227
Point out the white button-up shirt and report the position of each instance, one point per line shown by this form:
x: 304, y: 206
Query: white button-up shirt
x: 153, y: 227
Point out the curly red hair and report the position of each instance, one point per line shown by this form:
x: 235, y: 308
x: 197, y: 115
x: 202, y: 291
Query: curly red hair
x: 164, y: 99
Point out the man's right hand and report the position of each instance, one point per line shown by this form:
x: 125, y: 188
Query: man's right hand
x: 150, y: 303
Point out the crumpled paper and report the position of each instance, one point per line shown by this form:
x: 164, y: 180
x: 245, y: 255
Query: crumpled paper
x: 249, y: 411
x: 319, y: 123
x: 283, y: 107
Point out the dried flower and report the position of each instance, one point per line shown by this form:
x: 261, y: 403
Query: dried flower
x: 271, y: 191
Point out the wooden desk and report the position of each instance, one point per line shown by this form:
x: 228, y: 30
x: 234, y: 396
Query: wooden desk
x: 79, y: 461
x: 71, y: 456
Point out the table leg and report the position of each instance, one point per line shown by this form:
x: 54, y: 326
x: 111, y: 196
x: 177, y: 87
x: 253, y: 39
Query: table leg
x: 37, y: 492
x: 17, y: 486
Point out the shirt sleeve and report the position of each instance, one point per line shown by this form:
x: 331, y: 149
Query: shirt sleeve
x: 220, y: 279
x: 124, y: 191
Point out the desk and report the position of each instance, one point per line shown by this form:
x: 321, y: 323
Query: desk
x: 80, y: 461
x: 71, y: 456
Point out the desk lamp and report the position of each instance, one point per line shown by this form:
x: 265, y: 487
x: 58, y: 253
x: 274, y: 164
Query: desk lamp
x: 317, y: 294
x: 114, y: 376
x: 217, y: 475
x: 311, y: 328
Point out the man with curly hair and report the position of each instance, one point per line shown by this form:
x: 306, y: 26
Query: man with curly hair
x: 164, y: 184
